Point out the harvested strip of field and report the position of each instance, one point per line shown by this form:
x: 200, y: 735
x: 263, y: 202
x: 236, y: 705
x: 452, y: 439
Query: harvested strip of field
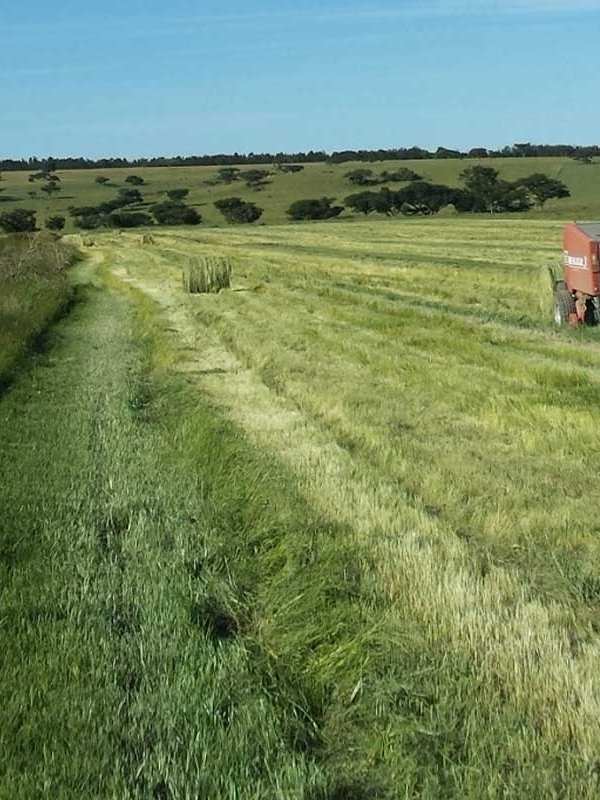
x: 453, y: 449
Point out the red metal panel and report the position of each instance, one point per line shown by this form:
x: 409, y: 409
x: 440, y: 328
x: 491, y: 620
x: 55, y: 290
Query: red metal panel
x: 581, y: 261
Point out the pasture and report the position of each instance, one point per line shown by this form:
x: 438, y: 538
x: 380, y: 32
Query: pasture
x: 316, y: 180
x: 325, y: 534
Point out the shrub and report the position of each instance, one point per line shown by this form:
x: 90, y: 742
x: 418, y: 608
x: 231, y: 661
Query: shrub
x: 170, y: 213
x: 136, y: 219
x: 50, y: 188
x: 55, y: 223
x: 177, y: 195
x: 22, y: 220
x: 207, y: 275
x: 365, y: 202
x: 314, y: 209
x: 90, y: 222
x: 127, y: 197
x: 236, y: 210
x: 135, y: 180
x: 448, y: 211
x: 400, y: 175
x: 361, y: 177
x: 255, y: 178
x: 228, y: 174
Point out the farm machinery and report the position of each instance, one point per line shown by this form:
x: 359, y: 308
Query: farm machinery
x: 577, y: 293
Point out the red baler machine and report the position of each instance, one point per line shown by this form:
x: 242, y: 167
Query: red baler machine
x: 577, y: 296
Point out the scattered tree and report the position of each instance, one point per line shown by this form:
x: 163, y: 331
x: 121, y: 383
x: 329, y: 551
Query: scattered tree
x: 365, y: 202
x: 361, y: 177
x: 128, y: 197
x: 236, y: 210
x: 255, y: 178
x: 136, y: 219
x: 400, y: 176
x: 314, y: 209
x: 50, y: 188
x: 21, y: 220
x: 177, y: 195
x: 55, y: 223
x: 228, y: 174
x: 170, y: 213
x: 543, y: 188
x: 482, y: 183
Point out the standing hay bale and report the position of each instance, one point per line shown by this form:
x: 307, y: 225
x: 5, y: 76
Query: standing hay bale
x: 207, y: 275
x: 146, y: 238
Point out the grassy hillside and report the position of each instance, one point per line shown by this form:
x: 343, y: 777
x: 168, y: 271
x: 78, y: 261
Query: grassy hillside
x: 79, y: 188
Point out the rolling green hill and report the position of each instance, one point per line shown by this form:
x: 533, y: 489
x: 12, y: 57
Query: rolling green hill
x: 316, y: 180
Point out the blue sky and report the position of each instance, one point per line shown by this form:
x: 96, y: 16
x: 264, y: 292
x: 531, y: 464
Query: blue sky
x: 149, y: 77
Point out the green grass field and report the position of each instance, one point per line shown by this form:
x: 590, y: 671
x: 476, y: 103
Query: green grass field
x: 317, y: 180
x: 330, y: 533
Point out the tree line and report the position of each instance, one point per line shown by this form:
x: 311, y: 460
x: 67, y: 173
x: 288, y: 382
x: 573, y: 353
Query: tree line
x: 483, y: 192
x: 520, y: 150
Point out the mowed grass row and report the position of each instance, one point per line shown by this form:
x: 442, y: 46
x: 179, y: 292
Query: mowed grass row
x: 316, y: 180
x: 446, y: 431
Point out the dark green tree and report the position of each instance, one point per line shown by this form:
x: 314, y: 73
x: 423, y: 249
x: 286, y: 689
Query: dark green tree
x: 255, y: 178
x: 235, y: 210
x: 50, y: 188
x: 543, y: 188
x: 364, y: 202
x: 21, y: 220
x: 135, y: 219
x: 228, y: 174
x: 361, y: 177
x: 482, y: 183
x: 400, y: 175
x: 170, y: 213
x: 56, y: 223
x: 318, y: 208
x: 128, y: 197
x: 177, y: 195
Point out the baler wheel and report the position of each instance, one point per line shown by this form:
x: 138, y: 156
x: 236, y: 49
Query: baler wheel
x: 564, y: 304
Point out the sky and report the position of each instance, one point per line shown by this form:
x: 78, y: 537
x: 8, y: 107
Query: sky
x: 151, y: 77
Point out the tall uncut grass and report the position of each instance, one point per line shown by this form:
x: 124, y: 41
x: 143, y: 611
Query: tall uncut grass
x: 34, y: 287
